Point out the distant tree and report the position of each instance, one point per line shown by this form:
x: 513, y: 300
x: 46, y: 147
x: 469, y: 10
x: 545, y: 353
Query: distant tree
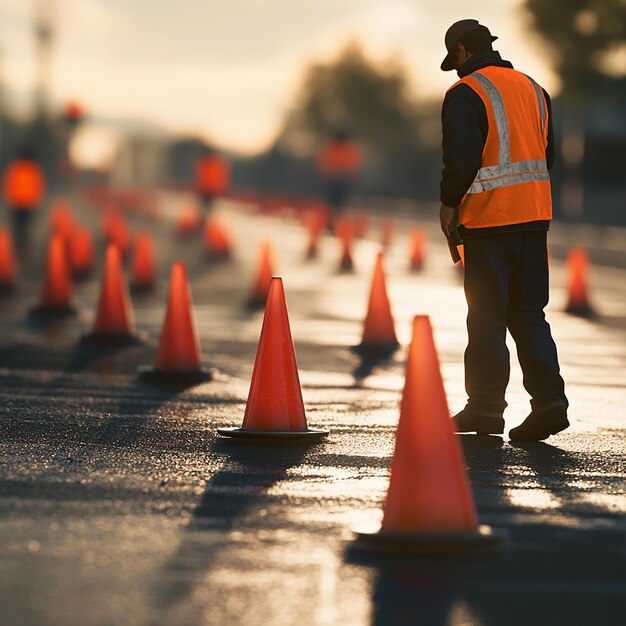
x: 371, y: 101
x: 586, y: 38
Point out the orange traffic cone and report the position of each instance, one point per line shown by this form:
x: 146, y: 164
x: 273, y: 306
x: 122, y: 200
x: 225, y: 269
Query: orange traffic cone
x: 418, y: 241
x: 578, y: 297
x: 263, y: 279
x: 61, y: 220
x: 344, y: 231
x: 56, y: 294
x: 387, y: 228
x: 361, y: 225
x: 122, y: 236
x: 323, y: 211
x: 110, y: 218
x: 115, y: 230
x: 379, y: 335
x: 429, y: 507
x: 189, y: 219
x: 216, y: 240
x: 314, y: 224
x: 81, y: 253
x: 178, y: 357
x: 275, y: 407
x: 143, y: 263
x: 8, y: 262
x: 114, y: 317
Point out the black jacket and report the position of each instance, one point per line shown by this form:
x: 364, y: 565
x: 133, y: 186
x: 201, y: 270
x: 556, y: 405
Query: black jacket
x: 464, y: 125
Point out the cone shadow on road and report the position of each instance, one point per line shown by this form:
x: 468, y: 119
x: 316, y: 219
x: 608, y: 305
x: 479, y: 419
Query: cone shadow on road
x: 367, y: 364
x: 127, y: 426
x: 247, y: 474
x: 405, y: 594
x: 103, y: 357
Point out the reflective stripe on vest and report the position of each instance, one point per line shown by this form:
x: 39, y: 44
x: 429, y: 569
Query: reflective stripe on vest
x: 507, y: 173
x: 512, y: 185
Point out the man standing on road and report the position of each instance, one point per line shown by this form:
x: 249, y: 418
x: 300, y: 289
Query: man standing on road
x: 498, y: 146
x: 339, y: 162
x: 23, y: 191
x: 212, y: 177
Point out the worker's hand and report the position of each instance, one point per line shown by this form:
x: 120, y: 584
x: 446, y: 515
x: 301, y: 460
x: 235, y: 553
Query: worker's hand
x: 446, y: 217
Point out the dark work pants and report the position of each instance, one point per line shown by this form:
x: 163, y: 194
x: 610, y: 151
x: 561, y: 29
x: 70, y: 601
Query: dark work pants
x: 21, y: 227
x: 207, y: 200
x: 337, y: 192
x: 506, y: 286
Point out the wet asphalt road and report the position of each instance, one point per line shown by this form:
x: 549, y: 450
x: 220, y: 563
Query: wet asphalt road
x: 120, y: 505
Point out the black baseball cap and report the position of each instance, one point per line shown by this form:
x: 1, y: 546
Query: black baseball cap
x: 455, y: 33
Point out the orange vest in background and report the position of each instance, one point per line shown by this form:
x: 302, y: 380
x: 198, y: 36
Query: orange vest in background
x: 512, y: 185
x: 339, y: 158
x: 212, y: 175
x: 23, y: 186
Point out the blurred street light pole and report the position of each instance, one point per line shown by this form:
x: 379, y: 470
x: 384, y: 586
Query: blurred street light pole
x: 44, y: 35
x: 44, y: 140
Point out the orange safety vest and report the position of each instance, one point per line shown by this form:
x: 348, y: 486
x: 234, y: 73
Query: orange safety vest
x: 23, y: 186
x: 512, y: 185
x: 339, y: 158
x: 212, y: 175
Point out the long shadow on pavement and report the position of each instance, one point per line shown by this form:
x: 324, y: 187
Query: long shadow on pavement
x: 248, y: 472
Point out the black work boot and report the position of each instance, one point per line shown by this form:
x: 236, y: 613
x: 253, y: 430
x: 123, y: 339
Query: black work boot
x: 540, y: 424
x: 471, y: 421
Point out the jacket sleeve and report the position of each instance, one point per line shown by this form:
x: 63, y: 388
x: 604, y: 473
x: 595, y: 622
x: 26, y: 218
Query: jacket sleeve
x: 550, y: 146
x: 464, y: 129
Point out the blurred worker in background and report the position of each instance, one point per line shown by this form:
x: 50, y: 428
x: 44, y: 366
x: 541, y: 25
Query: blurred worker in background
x: 23, y: 189
x: 498, y: 146
x: 212, y: 177
x: 339, y: 161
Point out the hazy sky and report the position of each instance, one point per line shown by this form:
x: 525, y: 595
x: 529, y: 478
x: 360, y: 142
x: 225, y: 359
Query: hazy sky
x: 229, y: 68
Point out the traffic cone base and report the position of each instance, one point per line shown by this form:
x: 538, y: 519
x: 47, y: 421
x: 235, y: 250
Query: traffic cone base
x: 141, y: 288
x: 481, y: 542
x: 219, y: 256
x: 315, y: 224
x: 255, y: 303
x: 344, y: 231
x: 81, y: 276
x: 376, y: 350
x: 105, y: 340
x: 48, y: 312
x: 581, y: 310
x: 311, y: 252
x: 243, y: 433
x: 164, y: 376
x: 346, y: 265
